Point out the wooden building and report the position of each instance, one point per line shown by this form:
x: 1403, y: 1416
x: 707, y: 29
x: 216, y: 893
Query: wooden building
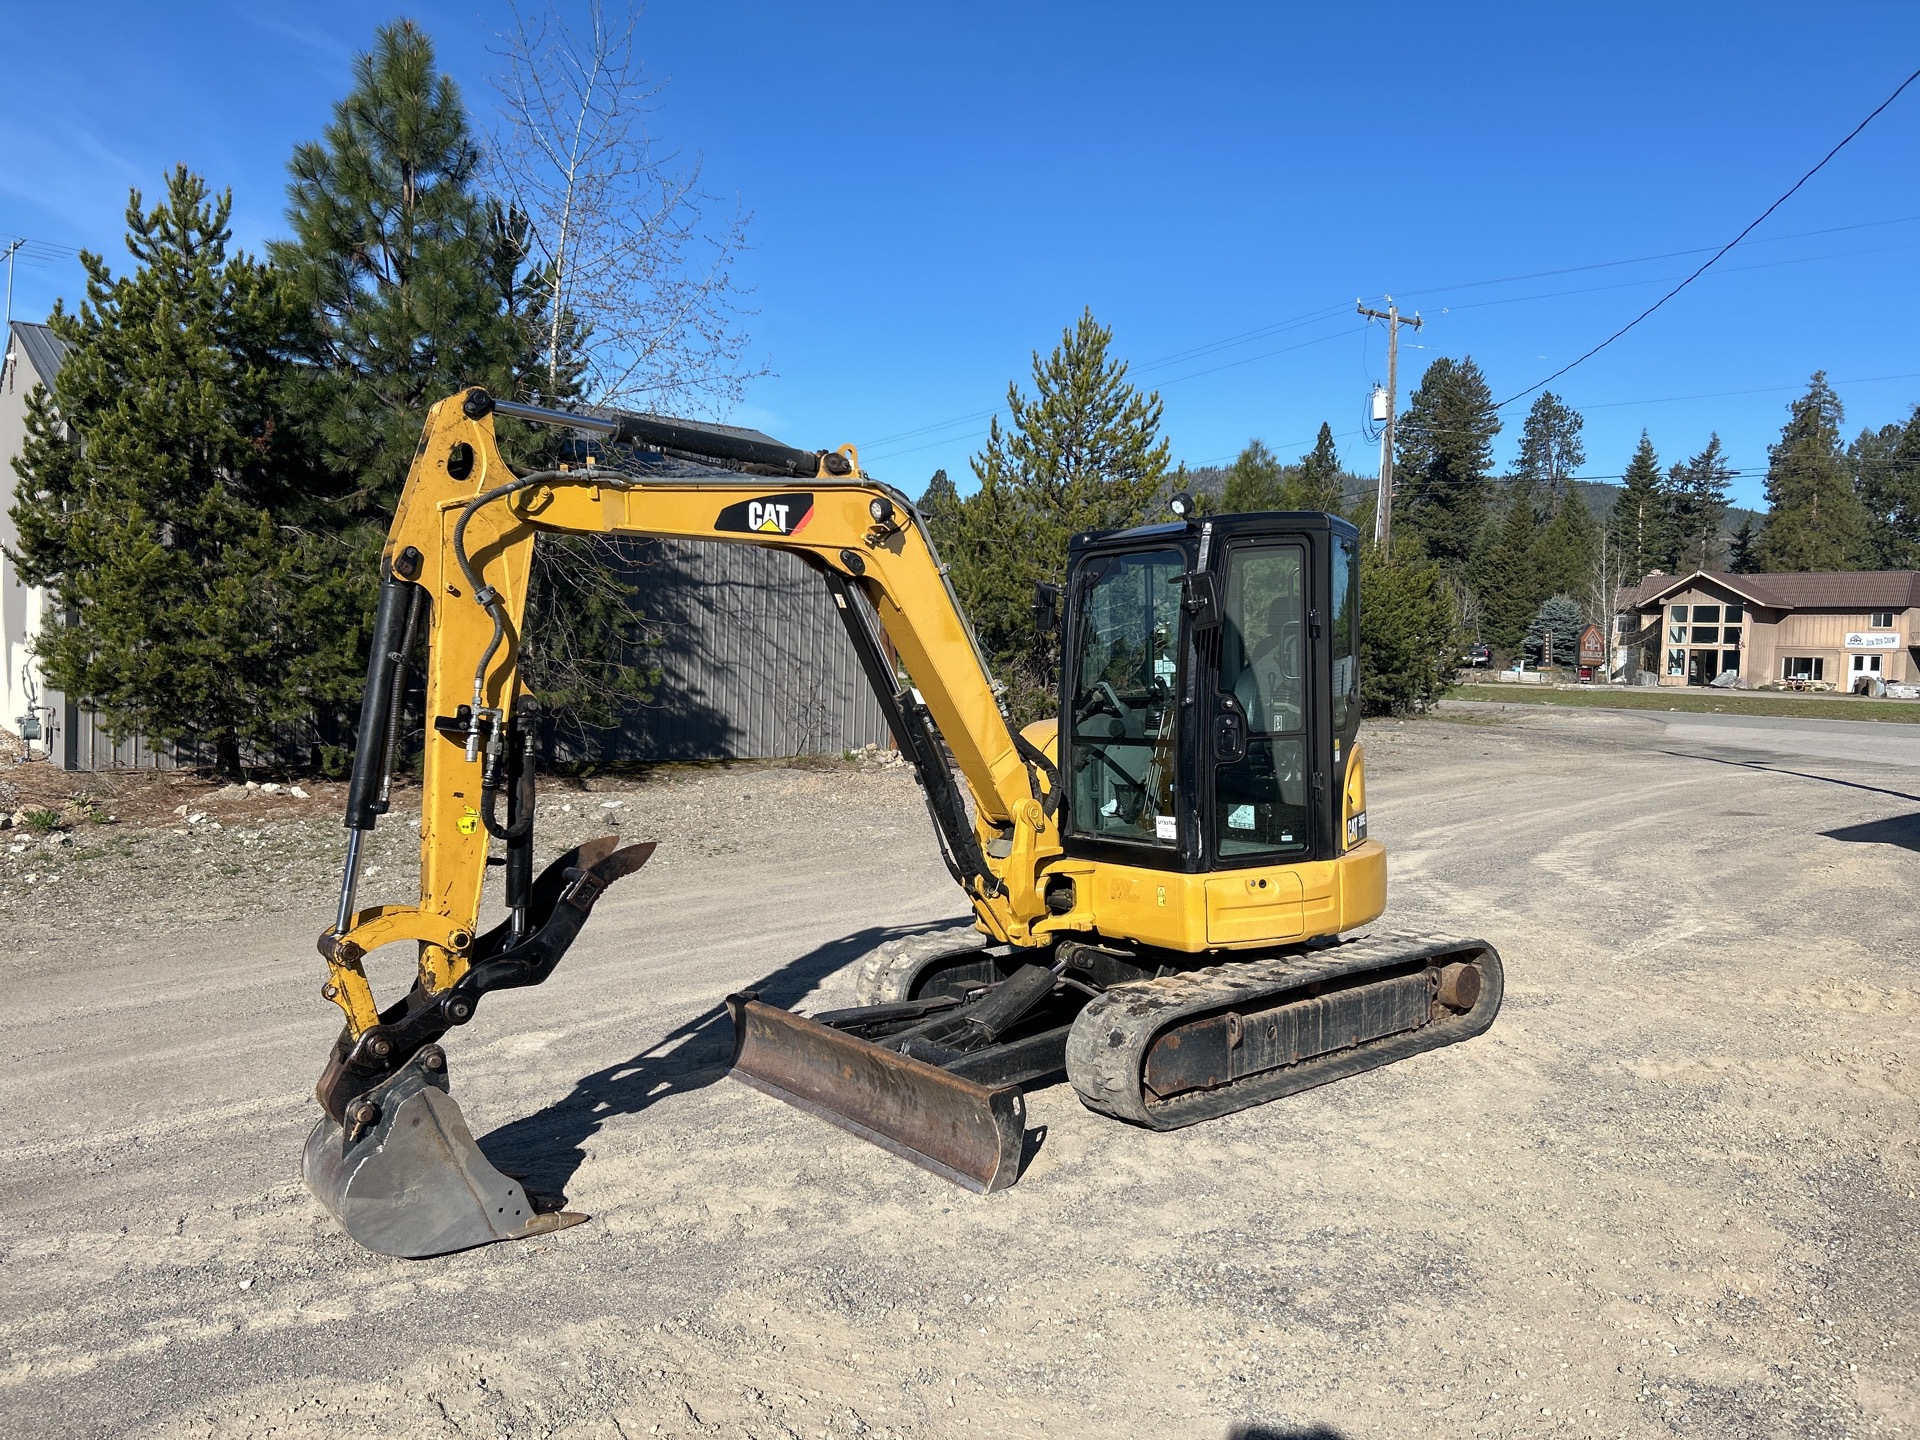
x: 1836, y: 628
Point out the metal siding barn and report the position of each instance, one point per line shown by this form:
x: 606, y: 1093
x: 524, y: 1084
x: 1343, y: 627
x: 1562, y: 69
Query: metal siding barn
x: 754, y: 661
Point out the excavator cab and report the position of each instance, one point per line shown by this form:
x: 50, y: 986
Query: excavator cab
x: 1169, y: 880
x: 1209, y: 692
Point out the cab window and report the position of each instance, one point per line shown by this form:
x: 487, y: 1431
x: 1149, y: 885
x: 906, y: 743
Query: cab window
x: 1125, y: 712
x: 1260, y: 799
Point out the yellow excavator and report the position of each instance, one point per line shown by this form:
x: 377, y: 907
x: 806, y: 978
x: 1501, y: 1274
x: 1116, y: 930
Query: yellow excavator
x: 1160, y: 878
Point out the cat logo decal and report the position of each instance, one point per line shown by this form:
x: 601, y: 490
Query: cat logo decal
x: 785, y: 514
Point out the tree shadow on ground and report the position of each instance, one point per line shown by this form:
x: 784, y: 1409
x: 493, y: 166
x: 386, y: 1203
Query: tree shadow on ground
x: 1284, y: 1432
x: 546, y: 1148
x: 1901, y: 830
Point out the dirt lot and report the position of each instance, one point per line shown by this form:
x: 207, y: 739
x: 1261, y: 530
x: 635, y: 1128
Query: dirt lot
x: 1672, y: 1192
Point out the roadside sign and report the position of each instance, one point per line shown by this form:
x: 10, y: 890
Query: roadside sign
x: 1593, y: 647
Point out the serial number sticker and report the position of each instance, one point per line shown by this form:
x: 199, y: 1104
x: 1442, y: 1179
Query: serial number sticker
x: 1165, y: 827
x: 1240, y: 817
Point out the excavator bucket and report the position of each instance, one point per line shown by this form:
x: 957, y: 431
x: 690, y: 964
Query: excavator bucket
x: 962, y: 1131
x: 413, y: 1183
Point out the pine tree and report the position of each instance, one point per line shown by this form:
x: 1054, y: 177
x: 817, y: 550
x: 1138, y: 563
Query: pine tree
x: 149, y: 481
x: 1696, y: 505
x: 409, y: 271
x: 1445, y: 442
x: 939, y: 506
x: 1741, y: 559
x: 1318, y: 483
x: 1886, y: 476
x: 1253, y: 481
x: 1814, y: 520
x: 1409, y: 631
x: 1508, y: 582
x: 1084, y: 453
x: 1550, y: 446
x: 1639, y: 523
x: 1568, y: 548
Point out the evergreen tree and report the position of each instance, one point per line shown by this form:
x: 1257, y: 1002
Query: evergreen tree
x: 1550, y: 446
x: 1886, y: 476
x: 149, y: 482
x: 1741, y: 559
x: 1445, y: 442
x: 1560, y: 619
x: 1084, y: 453
x: 1508, y: 576
x: 1409, y: 631
x: 408, y: 270
x: 939, y: 506
x: 1696, y: 505
x: 1878, y: 485
x: 1814, y: 520
x: 1568, y: 548
x: 1639, y: 523
x: 1253, y: 481
x: 1319, y: 481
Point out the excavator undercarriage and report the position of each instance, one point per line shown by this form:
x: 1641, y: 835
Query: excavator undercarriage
x: 1160, y: 880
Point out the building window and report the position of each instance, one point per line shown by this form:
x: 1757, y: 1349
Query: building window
x: 1676, y: 634
x: 1706, y: 614
x: 1735, y: 613
x: 1803, y: 667
x: 1679, y: 614
x: 1882, y: 619
x: 1705, y: 634
x: 1730, y: 635
x: 1676, y: 662
x: 1729, y: 660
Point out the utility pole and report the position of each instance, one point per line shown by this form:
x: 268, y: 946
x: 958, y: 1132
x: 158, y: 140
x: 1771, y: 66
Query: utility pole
x: 6, y: 331
x: 1383, y: 510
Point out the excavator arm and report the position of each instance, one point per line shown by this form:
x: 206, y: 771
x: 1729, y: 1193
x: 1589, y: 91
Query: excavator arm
x: 454, y: 579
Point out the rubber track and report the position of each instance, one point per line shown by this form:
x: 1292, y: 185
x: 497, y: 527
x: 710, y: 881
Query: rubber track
x: 887, y: 973
x: 1107, y: 1047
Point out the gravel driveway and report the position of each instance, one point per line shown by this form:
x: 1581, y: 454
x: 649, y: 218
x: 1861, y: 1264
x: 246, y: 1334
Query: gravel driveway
x: 1672, y: 1192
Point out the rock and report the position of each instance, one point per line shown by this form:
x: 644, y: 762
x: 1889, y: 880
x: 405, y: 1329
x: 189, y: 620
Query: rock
x: 252, y: 785
x: 179, y: 809
x: 269, y: 789
x: 196, y: 817
x: 296, y: 792
x: 611, y: 804
x: 232, y: 792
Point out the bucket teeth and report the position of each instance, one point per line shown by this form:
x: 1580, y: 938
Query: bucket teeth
x: 962, y: 1131
x: 407, y: 1179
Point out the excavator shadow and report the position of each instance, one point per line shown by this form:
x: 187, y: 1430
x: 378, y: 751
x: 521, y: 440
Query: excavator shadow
x: 544, y: 1150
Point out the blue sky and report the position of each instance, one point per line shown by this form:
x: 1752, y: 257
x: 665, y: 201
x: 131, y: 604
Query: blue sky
x: 937, y: 191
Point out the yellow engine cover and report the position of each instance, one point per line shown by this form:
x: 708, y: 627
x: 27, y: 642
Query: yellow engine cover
x: 1230, y: 910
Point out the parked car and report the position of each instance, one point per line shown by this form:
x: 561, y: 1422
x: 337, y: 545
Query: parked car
x: 1478, y: 656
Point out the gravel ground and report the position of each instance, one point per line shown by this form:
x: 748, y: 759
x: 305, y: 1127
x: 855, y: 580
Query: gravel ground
x: 1671, y: 1193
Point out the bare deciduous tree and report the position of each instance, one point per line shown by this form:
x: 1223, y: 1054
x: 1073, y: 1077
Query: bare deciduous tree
x: 642, y: 309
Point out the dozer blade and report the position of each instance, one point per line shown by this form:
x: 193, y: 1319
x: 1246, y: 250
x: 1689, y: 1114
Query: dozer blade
x: 962, y: 1131
x: 412, y: 1183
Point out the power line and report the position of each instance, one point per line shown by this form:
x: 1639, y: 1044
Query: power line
x: 1848, y: 139
x: 1647, y: 259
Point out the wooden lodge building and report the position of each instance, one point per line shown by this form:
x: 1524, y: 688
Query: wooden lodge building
x: 1837, y: 628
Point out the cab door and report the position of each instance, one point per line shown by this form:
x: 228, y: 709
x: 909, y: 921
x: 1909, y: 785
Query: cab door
x: 1261, y: 806
x: 1286, y: 697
